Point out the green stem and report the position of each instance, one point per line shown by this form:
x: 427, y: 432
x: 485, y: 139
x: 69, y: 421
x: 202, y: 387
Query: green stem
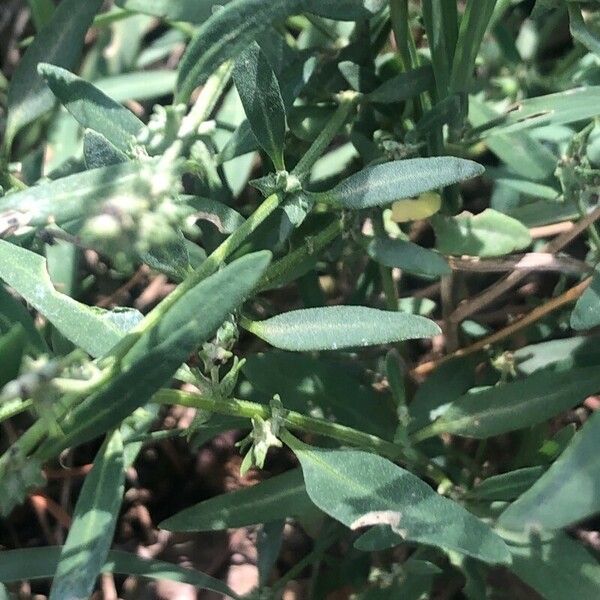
x: 424, y: 433
x: 292, y: 420
x: 347, y: 101
x: 592, y: 229
x: 17, y: 408
x: 280, y: 271
x: 298, y: 422
x: 388, y: 284
x: 207, y: 100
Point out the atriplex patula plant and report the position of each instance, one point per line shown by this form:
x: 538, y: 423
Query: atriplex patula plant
x: 301, y: 184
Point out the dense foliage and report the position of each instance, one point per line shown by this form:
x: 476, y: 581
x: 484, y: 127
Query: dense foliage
x: 375, y: 222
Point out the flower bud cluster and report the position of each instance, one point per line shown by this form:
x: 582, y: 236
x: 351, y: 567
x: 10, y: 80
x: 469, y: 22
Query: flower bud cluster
x: 147, y: 216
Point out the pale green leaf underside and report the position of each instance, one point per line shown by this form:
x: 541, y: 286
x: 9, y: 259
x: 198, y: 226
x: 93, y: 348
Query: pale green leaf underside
x: 336, y: 327
x: 383, y: 184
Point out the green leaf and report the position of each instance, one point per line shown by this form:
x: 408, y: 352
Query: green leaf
x: 12, y: 345
x: 337, y: 327
x: 490, y: 233
x: 138, y: 85
x: 516, y: 405
x: 403, y: 86
x: 92, y: 108
x: 71, y: 197
x: 223, y: 217
x: 361, y: 489
x: 525, y: 155
x: 344, y: 10
x: 12, y: 311
x: 382, y: 184
x: 276, y: 498
x: 41, y: 563
x: 99, y: 152
x: 41, y: 12
x: 92, y: 329
x: 557, y: 568
x: 225, y: 35
x: 261, y: 98
x: 207, y: 304
x: 507, y: 486
x: 94, y: 521
x: 553, y: 109
x: 441, y: 24
x: 447, y: 383
x: 319, y: 386
x: 581, y: 31
x: 567, y: 492
x: 59, y: 42
x: 473, y: 24
x: 190, y: 11
x: 407, y: 256
x: 586, y: 313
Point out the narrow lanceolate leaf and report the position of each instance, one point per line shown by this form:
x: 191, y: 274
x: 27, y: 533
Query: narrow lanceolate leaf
x: 71, y: 197
x: 382, y: 184
x: 507, y: 486
x: 361, y: 489
x: 92, y: 108
x: 472, y: 29
x: 408, y: 256
x: 94, y: 521
x: 336, y: 327
x: 225, y: 35
x: 490, y: 233
x: 567, y: 492
x: 94, y: 330
x: 41, y: 563
x: 59, y: 42
x: 586, y: 313
x: 403, y: 86
x: 261, y: 98
x: 517, y: 405
x: 554, y: 109
x: 276, y: 498
x: 152, y: 362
